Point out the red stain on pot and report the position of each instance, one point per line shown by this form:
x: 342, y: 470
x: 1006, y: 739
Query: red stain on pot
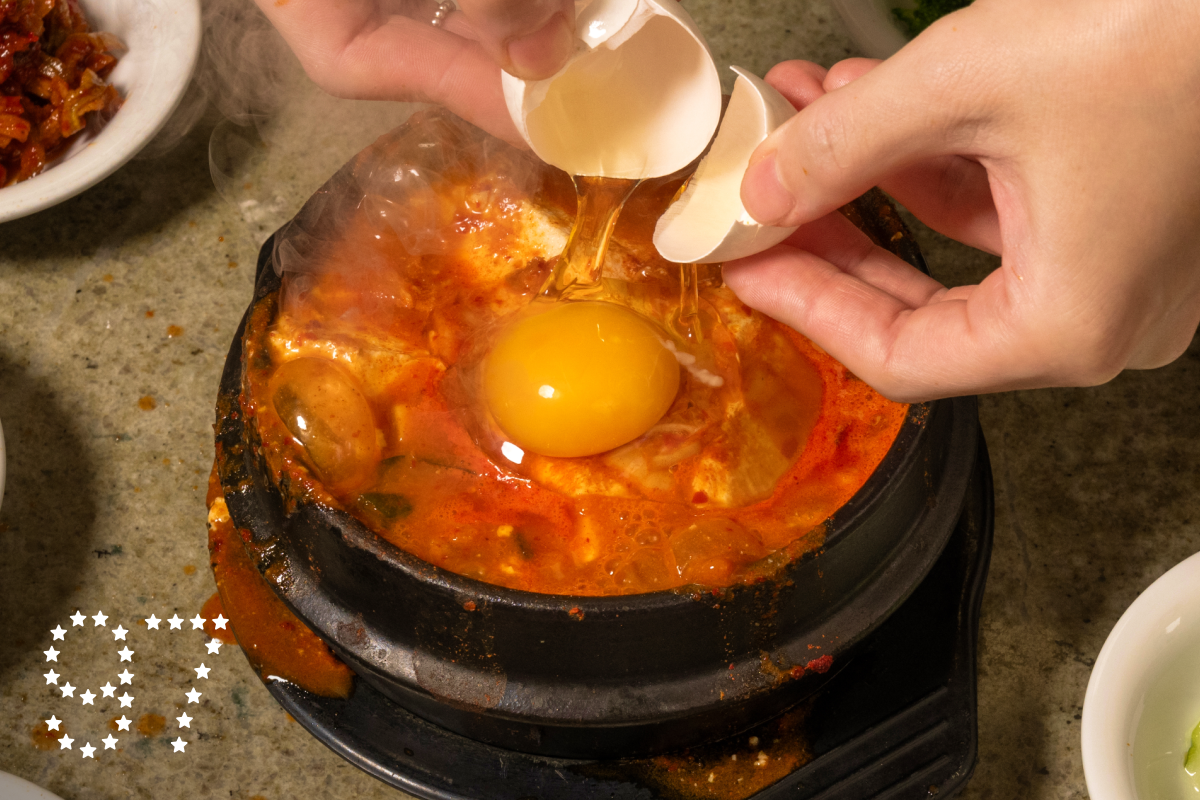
x: 820, y: 665
x: 212, y: 609
x: 275, y: 641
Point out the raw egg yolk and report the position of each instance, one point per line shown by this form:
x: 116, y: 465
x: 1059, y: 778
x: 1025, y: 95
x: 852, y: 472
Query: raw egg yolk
x: 579, y: 379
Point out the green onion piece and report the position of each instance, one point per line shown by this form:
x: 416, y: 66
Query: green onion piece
x: 1191, y: 762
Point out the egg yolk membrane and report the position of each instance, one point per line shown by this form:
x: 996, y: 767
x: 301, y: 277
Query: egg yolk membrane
x: 578, y: 379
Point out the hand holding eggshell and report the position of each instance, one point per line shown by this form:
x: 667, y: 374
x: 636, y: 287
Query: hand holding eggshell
x: 1029, y: 131
x: 378, y: 50
x: 601, y: 115
x: 708, y: 223
x: 640, y: 97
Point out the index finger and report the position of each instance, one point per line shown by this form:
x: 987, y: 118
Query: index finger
x: 351, y: 49
x: 530, y: 39
x: 894, y: 327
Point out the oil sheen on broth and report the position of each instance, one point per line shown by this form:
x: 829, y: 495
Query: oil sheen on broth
x: 699, y: 442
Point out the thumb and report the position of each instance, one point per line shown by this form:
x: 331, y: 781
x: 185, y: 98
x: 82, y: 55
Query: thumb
x: 530, y: 39
x: 853, y: 137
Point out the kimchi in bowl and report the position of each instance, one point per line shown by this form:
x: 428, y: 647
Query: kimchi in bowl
x: 677, y: 589
x: 160, y: 44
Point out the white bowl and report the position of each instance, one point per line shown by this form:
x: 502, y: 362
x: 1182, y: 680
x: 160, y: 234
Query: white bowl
x: 1153, y: 636
x: 14, y: 788
x: 163, y: 41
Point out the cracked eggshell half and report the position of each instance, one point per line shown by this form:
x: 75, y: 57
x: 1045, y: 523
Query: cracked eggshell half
x: 640, y: 97
x: 708, y: 223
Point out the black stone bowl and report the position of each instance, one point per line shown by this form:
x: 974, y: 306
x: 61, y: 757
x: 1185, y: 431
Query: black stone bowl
x: 604, y: 677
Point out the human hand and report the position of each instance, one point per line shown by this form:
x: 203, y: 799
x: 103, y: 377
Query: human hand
x: 388, y: 50
x: 1064, y: 137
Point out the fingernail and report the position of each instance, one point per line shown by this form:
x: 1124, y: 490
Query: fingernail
x: 763, y: 195
x: 542, y: 53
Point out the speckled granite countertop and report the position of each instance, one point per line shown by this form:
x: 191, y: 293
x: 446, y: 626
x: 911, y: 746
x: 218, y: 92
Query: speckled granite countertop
x: 116, y: 310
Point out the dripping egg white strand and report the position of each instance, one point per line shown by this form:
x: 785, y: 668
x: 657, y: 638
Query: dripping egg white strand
x: 688, y: 362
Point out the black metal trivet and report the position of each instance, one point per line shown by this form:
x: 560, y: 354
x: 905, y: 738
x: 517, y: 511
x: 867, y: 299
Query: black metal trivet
x: 898, y: 722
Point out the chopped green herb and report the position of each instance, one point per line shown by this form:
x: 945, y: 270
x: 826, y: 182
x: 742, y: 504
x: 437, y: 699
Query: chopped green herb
x: 523, y: 546
x: 389, y: 464
x: 1191, y: 761
x: 926, y: 13
x: 445, y: 465
x: 390, y: 507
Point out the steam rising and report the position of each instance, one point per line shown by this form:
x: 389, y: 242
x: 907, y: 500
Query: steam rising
x: 241, y: 74
x: 393, y: 188
x: 275, y: 136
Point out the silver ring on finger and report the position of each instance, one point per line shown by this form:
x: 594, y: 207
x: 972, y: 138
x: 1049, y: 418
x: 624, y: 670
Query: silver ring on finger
x: 443, y: 10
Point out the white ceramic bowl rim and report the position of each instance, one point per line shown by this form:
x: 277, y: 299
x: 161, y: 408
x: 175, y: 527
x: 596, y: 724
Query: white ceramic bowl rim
x: 1125, y: 666
x: 163, y: 41
x: 14, y: 788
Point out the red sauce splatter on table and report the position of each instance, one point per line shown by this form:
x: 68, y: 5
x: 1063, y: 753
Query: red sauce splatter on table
x: 151, y: 724
x: 45, y: 739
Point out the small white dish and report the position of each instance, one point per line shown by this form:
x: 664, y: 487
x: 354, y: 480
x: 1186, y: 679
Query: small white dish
x: 1147, y: 647
x: 14, y: 788
x: 162, y: 38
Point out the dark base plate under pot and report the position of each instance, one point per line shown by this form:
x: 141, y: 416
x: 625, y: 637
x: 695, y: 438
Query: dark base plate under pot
x: 897, y: 722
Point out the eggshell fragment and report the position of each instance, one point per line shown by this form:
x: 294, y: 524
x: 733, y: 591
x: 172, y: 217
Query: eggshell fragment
x: 708, y: 223
x: 640, y: 98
